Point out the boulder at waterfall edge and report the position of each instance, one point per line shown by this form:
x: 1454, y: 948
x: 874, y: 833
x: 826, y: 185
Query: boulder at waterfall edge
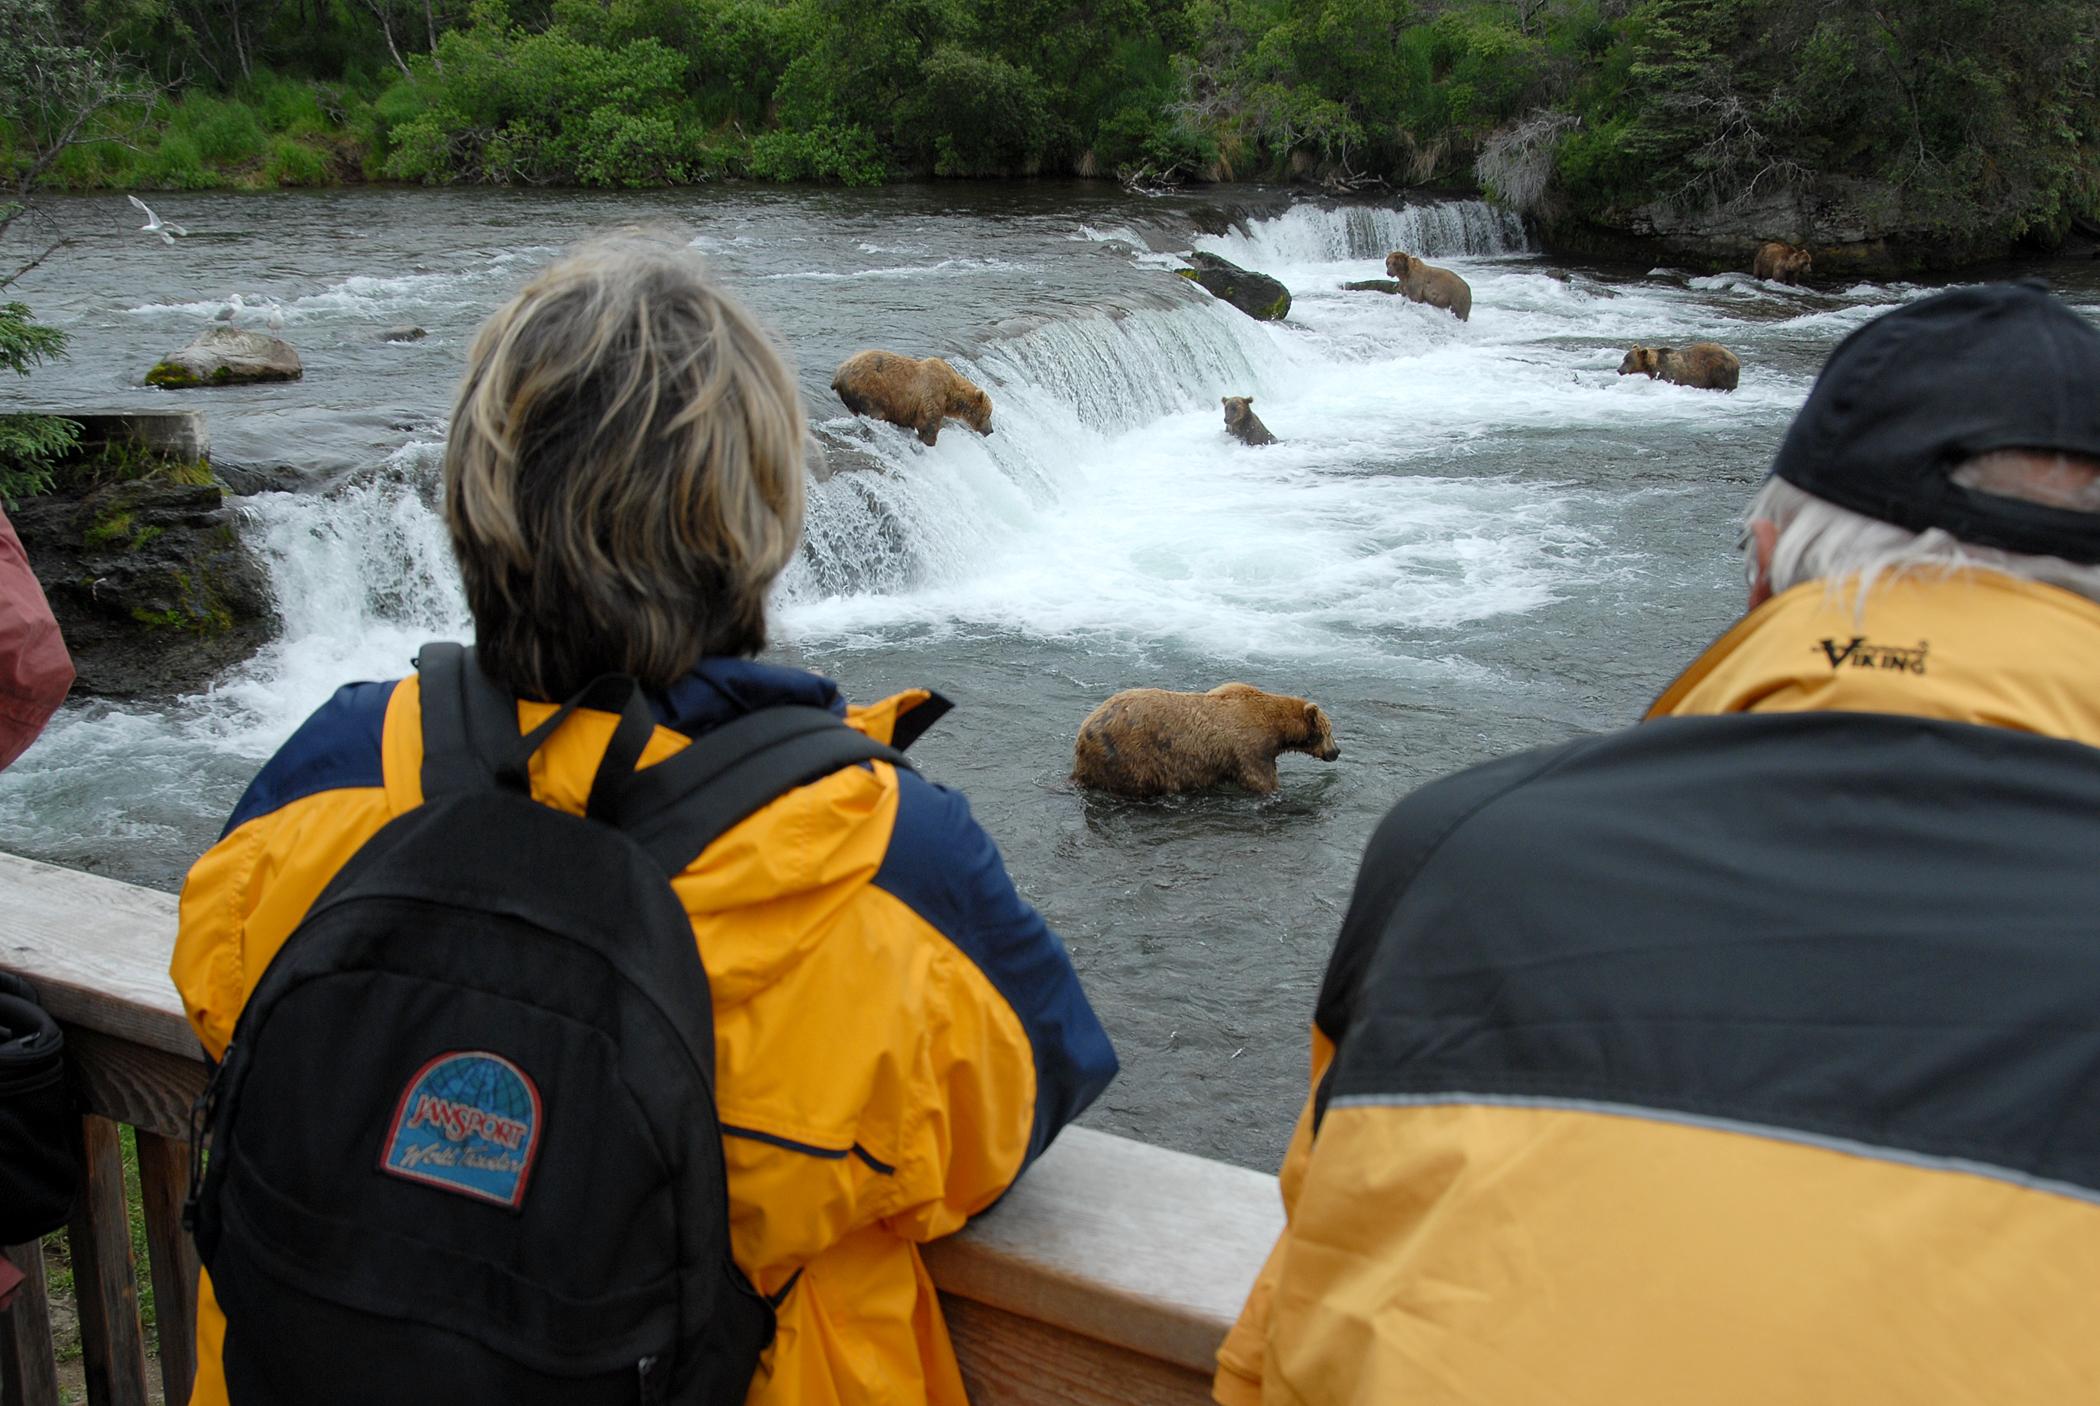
x: 142, y: 560
x: 227, y: 356
x: 1255, y: 294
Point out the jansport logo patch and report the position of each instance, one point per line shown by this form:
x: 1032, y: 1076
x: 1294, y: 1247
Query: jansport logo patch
x: 469, y: 1121
x: 1858, y: 653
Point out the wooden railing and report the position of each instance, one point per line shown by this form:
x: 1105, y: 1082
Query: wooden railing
x: 1108, y: 1275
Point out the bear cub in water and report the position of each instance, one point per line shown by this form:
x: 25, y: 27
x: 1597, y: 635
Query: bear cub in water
x: 917, y: 393
x: 1150, y: 742
x: 1242, y: 423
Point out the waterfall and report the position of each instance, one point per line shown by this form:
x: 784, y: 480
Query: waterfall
x: 1324, y: 234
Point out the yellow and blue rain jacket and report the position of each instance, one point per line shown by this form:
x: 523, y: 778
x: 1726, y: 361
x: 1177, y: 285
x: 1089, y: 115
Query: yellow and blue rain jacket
x: 897, y: 1033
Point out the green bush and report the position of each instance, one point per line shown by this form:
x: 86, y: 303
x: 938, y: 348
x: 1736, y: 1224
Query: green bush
x: 293, y: 163
x: 975, y: 116
x: 225, y: 130
x: 844, y: 155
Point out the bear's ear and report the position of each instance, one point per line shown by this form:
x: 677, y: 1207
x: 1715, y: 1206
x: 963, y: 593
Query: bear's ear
x: 1313, y: 719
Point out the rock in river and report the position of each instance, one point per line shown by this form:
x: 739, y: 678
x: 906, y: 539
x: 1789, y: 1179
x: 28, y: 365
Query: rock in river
x: 405, y: 332
x: 1255, y: 294
x: 227, y: 356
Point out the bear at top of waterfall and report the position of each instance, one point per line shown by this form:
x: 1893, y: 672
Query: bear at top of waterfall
x: 1426, y: 283
x: 1242, y: 423
x: 1706, y: 366
x: 1782, y: 262
x: 1150, y: 742
x: 915, y: 392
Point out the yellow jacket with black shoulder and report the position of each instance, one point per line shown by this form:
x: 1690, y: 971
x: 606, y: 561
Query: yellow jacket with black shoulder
x: 897, y: 1033
x: 1751, y: 1055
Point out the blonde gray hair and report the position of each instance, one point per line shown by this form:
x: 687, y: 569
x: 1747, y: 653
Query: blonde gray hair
x: 623, y: 477
x: 1820, y: 541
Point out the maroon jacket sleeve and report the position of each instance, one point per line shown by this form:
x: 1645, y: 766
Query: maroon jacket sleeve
x: 35, y: 670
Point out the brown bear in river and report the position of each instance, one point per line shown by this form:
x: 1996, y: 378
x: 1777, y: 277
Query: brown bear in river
x: 1780, y: 262
x: 1242, y: 423
x: 913, y: 392
x: 1425, y: 283
x: 1149, y: 742
x: 1706, y: 366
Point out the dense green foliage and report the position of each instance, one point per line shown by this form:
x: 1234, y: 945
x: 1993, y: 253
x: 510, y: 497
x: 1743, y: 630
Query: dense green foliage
x: 30, y: 445
x: 1968, y: 118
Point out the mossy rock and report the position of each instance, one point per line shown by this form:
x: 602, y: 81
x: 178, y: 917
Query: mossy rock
x: 1256, y: 294
x: 151, y: 583
x: 227, y: 356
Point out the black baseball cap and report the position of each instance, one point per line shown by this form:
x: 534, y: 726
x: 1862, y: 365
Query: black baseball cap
x: 1907, y: 398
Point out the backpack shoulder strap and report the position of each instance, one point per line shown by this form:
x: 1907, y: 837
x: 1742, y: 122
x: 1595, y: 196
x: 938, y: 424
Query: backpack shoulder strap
x: 471, y: 740
x: 683, y: 804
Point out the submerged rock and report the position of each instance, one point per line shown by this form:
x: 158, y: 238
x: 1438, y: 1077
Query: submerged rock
x: 1373, y: 285
x: 406, y: 332
x: 142, y: 560
x: 227, y: 356
x: 1255, y: 294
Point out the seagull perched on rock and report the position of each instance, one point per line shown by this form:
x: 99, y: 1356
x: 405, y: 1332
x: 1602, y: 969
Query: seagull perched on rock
x: 155, y: 224
x: 232, y: 310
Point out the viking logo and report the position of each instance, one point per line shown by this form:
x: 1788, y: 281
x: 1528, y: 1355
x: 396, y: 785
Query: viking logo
x: 468, y: 1122
x: 1859, y: 654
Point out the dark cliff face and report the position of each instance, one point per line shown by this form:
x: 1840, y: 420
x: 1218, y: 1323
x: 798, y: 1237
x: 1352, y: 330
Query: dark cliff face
x: 150, y: 581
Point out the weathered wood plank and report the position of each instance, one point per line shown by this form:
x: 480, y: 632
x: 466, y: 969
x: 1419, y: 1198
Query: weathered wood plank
x: 1121, y: 1242
x: 1011, y: 1360
x: 97, y: 951
x: 1008, y: 1360
x: 28, y: 1376
x: 112, y: 1347
x: 150, y: 1089
x: 164, y: 1181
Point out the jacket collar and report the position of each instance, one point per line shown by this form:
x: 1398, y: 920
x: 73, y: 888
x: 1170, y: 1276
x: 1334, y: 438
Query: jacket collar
x: 1972, y: 646
x: 720, y: 690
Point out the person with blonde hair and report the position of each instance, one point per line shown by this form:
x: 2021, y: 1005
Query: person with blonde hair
x: 896, y: 1035
x: 1748, y: 1055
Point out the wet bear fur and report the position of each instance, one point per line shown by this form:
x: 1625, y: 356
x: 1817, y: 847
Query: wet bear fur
x: 1425, y: 283
x: 1781, y: 262
x: 1242, y: 423
x: 1150, y: 742
x: 1706, y: 366
x: 917, y: 393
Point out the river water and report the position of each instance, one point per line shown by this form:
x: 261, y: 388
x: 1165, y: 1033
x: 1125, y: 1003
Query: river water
x: 1472, y: 538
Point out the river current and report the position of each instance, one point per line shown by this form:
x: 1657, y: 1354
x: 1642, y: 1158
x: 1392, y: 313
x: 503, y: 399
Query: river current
x: 1471, y: 538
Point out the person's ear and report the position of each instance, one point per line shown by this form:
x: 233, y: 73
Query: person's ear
x: 1764, y: 536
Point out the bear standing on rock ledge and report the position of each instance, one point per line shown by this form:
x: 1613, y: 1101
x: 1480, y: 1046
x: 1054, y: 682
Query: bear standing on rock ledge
x: 913, y: 392
x: 1150, y: 742
x: 1426, y: 283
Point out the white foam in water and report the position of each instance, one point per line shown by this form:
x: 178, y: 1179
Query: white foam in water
x: 1315, y: 234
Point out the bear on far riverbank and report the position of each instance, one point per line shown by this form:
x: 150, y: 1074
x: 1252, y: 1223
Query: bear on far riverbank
x: 1781, y: 262
x: 1150, y: 742
x: 910, y: 391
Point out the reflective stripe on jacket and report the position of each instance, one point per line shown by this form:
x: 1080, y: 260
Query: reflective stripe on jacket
x: 1747, y: 1056
x: 897, y: 1033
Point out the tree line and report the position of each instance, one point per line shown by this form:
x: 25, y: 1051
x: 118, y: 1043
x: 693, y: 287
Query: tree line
x: 1967, y: 116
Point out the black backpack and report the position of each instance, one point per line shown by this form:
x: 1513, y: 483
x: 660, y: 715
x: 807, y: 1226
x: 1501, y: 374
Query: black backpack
x: 39, y: 1126
x: 464, y: 1146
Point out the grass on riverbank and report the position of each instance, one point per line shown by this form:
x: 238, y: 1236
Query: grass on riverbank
x: 269, y: 133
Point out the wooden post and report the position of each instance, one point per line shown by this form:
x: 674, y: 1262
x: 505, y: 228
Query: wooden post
x: 164, y: 1177
x: 112, y: 1348
x: 28, y: 1377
